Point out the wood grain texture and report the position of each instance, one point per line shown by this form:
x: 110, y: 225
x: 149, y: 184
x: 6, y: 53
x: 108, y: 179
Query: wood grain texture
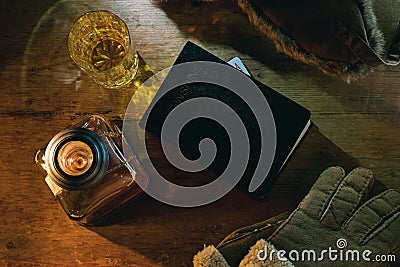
x: 42, y: 91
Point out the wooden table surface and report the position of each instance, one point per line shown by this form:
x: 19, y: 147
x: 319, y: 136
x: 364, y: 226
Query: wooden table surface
x: 42, y: 91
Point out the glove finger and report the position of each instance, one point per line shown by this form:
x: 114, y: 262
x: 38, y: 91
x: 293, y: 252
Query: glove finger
x: 353, y: 189
x: 316, y: 201
x: 385, y: 239
x: 371, y: 219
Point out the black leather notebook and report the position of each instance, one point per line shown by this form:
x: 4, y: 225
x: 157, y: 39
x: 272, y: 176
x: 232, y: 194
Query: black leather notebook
x: 291, y: 123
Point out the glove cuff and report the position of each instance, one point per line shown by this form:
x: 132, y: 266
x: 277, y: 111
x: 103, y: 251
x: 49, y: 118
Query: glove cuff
x: 211, y: 257
x: 264, y: 254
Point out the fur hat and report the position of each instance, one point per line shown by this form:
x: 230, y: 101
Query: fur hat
x: 341, y: 38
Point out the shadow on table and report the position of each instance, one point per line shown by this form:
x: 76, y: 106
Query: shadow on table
x: 224, y: 23
x: 171, y: 235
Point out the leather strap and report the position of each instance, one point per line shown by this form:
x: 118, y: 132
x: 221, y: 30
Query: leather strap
x: 362, y: 49
x: 394, y: 50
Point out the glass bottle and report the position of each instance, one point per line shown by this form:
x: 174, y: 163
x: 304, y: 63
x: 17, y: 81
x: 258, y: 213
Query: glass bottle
x: 87, y: 171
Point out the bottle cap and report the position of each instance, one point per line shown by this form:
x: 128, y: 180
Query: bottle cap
x: 76, y: 159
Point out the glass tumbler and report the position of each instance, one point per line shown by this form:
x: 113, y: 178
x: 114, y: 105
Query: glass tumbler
x: 87, y: 171
x: 100, y: 44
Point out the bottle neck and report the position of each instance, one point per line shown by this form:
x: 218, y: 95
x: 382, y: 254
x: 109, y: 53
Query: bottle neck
x: 76, y: 159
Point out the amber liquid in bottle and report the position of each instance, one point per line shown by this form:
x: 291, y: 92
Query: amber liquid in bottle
x: 89, y: 200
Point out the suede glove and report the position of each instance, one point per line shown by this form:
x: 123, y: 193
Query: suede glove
x: 335, y: 216
x: 340, y: 37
